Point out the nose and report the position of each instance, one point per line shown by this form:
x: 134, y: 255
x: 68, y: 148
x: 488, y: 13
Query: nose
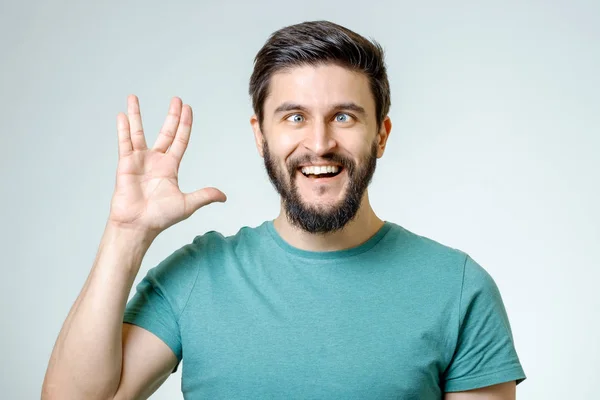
x: 319, y: 139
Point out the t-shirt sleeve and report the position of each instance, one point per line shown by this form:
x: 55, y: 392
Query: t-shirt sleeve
x: 161, y: 296
x: 485, y: 353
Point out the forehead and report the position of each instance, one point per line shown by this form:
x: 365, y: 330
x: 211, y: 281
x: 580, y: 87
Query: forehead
x: 318, y: 87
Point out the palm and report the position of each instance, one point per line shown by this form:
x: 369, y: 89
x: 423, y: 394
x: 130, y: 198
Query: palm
x: 147, y: 194
x: 147, y: 188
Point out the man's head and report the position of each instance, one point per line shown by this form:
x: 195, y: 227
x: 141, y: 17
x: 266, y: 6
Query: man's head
x: 321, y: 96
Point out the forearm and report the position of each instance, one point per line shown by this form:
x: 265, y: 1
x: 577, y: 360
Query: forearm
x: 87, y: 356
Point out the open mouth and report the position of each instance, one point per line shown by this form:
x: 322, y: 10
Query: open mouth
x: 320, y: 172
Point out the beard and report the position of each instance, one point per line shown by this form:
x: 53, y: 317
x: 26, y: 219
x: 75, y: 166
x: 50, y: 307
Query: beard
x: 317, y: 218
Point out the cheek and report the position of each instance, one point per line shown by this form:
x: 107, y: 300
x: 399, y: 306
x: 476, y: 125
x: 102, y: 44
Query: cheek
x: 289, y: 139
x: 282, y: 146
x: 359, y: 147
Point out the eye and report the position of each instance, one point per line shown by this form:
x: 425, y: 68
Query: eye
x: 342, y: 117
x: 297, y: 118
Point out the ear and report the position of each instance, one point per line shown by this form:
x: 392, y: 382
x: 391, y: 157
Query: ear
x: 383, y: 135
x: 258, y: 136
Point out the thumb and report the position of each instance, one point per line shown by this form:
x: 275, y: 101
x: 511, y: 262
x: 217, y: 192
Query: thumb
x: 201, y: 198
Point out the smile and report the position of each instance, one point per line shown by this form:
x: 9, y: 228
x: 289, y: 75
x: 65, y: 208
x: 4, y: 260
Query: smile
x: 321, y: 171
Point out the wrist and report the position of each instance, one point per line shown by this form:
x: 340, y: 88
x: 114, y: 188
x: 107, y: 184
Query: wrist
x: 133, y: 238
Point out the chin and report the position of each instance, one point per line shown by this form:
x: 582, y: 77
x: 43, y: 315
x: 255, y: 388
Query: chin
x: 323, y: 204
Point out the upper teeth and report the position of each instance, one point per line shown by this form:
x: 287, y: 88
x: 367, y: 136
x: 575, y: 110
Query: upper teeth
x: 317, y: 170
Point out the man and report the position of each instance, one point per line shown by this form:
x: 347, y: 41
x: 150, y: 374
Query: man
x: 327, y: 301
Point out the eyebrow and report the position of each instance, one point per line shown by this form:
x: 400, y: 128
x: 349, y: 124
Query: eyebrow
x: 287, y: 106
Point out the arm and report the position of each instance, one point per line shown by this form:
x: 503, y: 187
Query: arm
x: 502, y: 391
x: 94, y: 350
x: 96, y: 356
x: 147, y: 363
x: 484, y: 354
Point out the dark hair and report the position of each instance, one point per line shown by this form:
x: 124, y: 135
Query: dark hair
x: 320, y: 42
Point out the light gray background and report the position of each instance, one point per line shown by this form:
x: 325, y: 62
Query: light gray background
x: 496, y: 116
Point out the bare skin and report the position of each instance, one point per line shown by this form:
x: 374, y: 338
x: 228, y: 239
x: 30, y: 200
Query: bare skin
x: 96, y: 356
x: 319, y: 93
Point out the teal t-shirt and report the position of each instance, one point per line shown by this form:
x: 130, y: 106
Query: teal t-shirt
x: 398, y: 317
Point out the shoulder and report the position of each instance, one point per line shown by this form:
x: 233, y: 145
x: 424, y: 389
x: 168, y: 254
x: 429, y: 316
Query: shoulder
x: 438, y: 262
x: 423, y: 250
x: 213, y: 242
x: 206, y: 246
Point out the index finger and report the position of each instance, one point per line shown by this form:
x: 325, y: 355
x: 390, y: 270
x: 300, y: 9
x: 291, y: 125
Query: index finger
x: 135, y: 123
x: 125, y: 146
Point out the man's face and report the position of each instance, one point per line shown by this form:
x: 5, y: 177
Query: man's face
x: 320, y: 143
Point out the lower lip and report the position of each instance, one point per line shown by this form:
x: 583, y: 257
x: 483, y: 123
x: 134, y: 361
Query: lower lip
x: 322, y: 180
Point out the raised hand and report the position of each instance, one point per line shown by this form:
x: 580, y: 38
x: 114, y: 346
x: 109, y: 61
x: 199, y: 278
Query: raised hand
x: 147, y: 195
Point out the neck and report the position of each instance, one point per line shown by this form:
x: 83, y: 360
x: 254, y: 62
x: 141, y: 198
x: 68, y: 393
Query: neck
x: 356, y: 232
